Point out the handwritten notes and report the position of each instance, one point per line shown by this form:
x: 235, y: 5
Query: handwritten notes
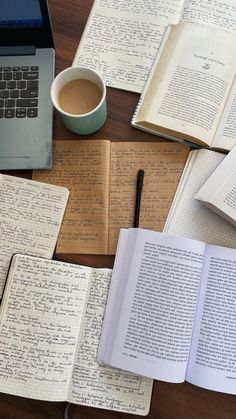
x: 83, y: 167
x: 122, y: 38
x: 220, y: 13
x: 96, y: 385
x: 30, y: 219
x: 101, y: 177
x: 163, y: 164
x: 50, y: 326
x: 39, y: 326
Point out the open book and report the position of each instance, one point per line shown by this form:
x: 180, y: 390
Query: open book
x: 30, y: 218
x: 219, y: 191
x: 170, y: 312
x: 121, y: 38
x: 101, y: 176
x: 50, y: 322
x: 191, y: 92
x: 188, y: 216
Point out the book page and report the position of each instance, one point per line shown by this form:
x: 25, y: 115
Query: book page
x: 83, y: 167
x: 154, y: 331
x: 212, y: 362
x: 163, y: 164
x: 117, y: 289
x: 96, y: 385
x: 190, y: 96
x: 40, y: 321
x: 221, y: 13
x: 226, y: 200
x: 226, y: 130
x: 30, y: 217
x: 188, y: 216
x: 122, y: 37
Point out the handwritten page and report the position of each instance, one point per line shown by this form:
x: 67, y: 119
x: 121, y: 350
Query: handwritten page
x: 83, y: 167
x: 100, y: 386
x: 30, y: 217
x: 163, y: 164
x: 221, y: 13
x: 101, y: 177
x: 122, y: 37
x: 42, y: 310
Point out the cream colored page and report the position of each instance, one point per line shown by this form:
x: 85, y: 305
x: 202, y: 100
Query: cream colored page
x: 226, y: 131
x: 163, y: 164
x: 30, y: 219
x: 41, y: 317
x: 83, y: 167
x: 96, y: 385
x: 221, y: 13
x: 122, y: 37
x: 191, y: 97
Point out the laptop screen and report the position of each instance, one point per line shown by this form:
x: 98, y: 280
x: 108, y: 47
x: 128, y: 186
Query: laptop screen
x: 25, y: 22
x: 20, y: 14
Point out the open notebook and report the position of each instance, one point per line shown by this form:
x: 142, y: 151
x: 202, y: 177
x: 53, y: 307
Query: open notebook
x: 188, y: 216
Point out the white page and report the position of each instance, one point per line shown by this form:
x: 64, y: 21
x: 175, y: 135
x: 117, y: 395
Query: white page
x: 40, y: 323
x: 96, y: 385
x: 124, y: 254
x: 155, y: 325
x: 30, y: 217
x: 212, y: 362
x: 122, y: 37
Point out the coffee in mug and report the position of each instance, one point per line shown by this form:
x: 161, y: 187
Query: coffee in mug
x: 79, y: 95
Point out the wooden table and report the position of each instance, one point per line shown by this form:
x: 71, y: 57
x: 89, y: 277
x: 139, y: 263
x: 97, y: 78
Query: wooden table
x: 169, y: 401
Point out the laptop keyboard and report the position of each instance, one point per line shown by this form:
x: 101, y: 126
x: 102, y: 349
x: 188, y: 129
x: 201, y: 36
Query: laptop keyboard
x: 19, y: 88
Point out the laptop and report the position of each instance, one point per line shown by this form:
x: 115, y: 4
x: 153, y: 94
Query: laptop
x: 27, y: 58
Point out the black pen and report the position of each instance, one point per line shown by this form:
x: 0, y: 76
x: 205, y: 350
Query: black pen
x: 139, y: 188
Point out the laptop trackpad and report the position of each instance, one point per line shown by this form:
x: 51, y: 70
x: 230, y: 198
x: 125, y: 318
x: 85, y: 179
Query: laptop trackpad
x: 22, y: 143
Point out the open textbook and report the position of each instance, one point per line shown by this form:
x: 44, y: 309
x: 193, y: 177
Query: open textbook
x: 171, y: 310
x: 190, y: 94
x: 122, y: 37
x: 219, y: 191
x: 188, y: 216
x: 30, y: 218
x: 101, y: 176
x: 50, y: 323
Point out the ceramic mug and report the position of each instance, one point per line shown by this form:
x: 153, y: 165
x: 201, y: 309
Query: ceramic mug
x: 79, y: 95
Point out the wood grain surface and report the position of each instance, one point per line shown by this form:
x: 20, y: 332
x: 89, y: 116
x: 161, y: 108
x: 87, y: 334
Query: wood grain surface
x: 169, y: 401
